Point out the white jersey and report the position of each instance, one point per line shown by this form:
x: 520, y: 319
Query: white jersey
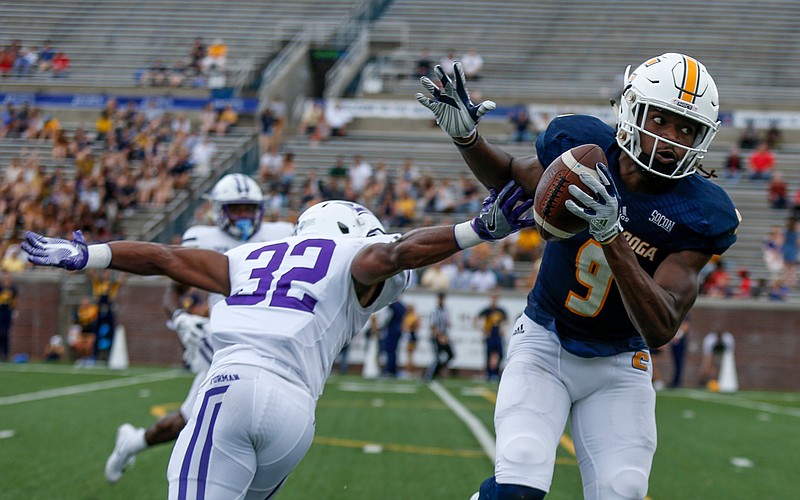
x: 214, y: 238
x: 294, y: 304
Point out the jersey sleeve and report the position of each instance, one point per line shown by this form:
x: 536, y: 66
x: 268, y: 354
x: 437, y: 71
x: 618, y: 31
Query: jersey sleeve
x: 568, y: 131
x: 715, y: 226
x: 191, y: 238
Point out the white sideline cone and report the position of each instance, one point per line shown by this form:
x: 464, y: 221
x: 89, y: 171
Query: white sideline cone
x: 118, y: 357
x: 728, y: 380
x: 370, y: 369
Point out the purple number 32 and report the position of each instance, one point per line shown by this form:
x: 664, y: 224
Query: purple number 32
x: 265, y: 275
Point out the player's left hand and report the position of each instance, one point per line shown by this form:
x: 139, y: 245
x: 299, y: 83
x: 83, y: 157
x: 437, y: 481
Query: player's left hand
x: 503, y: 214
x: 56, y: 252
x: 454, y: 110
x: 191, y: 328
x: 602, y: 211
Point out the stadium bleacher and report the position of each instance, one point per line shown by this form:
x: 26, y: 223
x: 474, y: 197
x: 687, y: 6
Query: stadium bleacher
x: 546, y: 54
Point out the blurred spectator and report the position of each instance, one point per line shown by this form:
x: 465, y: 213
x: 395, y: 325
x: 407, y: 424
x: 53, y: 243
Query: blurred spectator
x: 359, y: 173
x: 423, y: 65
x: 446, y: 62
x: 54, y: 350
x: 266, y: 129
x: 337, y: 119
x: 472, y: 63
x: 196, y: 55
x: 269, y: 166
x: 228, y: 118
x: 761, y: 162
x: 312, y: 122
x: 208, y: 118
x: 46, y: 56
x: 434, y: 278
x: 733, y: 164
x: 61, y: 64
x: 771, y: 252
x: 202, y: 155
x: 278, y: 110
x: 718, y: 281
x: 483, y: 279
x: 777, y: 191
x: 156, y: 75
x: 216, y: 56
x: 521, y: 122
x: 82, y: 333
x: 778, y: 291
x: 181, y: 124
x: 103, y: 125
x: 8, y: 306
x: 773, y: 136
x: 789, y: 250
x: 749, y: 138
x: 745, y: 289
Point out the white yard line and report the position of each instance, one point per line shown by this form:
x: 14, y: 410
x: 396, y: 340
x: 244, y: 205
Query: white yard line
x: 91, y: 387
x: 741, y: 402
x: 484, y: 437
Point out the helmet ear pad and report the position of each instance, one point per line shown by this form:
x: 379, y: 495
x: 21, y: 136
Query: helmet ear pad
x: 677, y: 84
x: 338, y: 219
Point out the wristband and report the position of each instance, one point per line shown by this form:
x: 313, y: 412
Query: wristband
x: 473, y: 138
x: 466, y: 237
x: 99, y: 256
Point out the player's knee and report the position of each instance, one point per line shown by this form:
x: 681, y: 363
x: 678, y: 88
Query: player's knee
x: 526, y: 450
x: 630, y: 483
x: 491, y: 490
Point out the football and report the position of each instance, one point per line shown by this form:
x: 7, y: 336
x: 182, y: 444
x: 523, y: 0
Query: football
x: 553, y: 219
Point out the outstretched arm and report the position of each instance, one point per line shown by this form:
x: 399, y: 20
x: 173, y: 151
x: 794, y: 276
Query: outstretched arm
x: 457, y: 115
x: 204, y: 269
x: 502, y: 214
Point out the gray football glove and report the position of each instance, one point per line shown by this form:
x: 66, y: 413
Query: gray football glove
x: 602, y: 212
x: 454, y: 111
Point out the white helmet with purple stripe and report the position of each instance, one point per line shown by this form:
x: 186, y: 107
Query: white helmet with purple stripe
x: 239, y: 205
x: 338, y: 219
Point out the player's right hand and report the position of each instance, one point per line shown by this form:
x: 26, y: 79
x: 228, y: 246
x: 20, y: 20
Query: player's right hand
x: 503, y: 214
x: 191, y: 328
x: 454, y: 111
x: 56, y: 252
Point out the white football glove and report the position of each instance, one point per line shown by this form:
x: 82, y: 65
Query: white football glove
x: 191, y: 328
x: 453, y: 109
x: 602, y: 212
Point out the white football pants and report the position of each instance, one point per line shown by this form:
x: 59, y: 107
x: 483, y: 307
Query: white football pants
x: 610, y: 402
x: 248, y: 429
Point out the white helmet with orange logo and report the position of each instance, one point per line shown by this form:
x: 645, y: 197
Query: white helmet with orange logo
x: 676, y: 83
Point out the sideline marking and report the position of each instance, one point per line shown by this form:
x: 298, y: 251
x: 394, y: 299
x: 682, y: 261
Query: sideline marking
x: 742, y: 403
x: 370, y: 387
x: 485, y: 439
x: 91, y: 387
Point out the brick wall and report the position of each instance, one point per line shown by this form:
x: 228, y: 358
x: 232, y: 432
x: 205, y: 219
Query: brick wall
x: 767, y: 334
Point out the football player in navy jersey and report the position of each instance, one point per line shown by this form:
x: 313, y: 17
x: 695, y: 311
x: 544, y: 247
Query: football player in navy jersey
x: 605, y: 296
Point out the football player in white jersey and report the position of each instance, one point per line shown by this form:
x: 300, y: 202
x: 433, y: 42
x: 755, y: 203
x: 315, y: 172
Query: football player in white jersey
x: 290, y: 306
x: 238, y: 206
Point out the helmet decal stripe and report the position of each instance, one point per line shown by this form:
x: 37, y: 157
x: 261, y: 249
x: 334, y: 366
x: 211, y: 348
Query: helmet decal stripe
x: 691, y: 80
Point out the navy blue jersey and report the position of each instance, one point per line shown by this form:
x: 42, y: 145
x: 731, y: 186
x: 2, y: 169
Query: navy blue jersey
x: 575, y: 293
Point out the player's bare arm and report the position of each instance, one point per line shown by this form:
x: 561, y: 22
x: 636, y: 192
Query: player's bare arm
x: 502, y: 214
x: 196, y: 267
x: 172, y: 297
x: 204, y: 269
x: 656, y: 305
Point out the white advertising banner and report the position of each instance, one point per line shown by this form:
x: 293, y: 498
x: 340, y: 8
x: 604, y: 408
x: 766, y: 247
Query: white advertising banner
x: 466, y: 337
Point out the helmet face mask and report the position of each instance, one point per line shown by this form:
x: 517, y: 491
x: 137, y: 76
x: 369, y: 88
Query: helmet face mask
x: 672, y: 83
x: 239, y: 205
x: 338, y: 219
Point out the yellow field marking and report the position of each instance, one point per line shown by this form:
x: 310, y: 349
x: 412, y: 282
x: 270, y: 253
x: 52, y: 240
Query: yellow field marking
x: 417, y: 450
x: 159, y: 411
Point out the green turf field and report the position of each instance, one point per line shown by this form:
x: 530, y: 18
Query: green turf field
x: 375, y: 439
